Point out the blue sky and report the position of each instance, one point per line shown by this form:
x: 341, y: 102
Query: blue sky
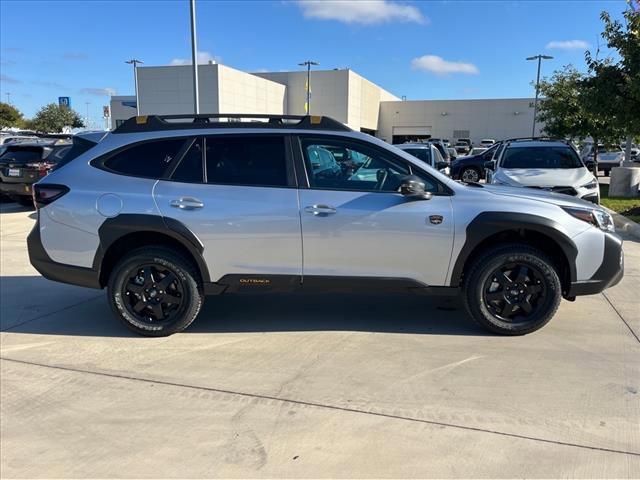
x: 424, y: 50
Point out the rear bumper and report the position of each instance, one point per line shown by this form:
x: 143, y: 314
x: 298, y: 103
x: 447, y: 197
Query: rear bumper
x: 59, y: 272
x: 609, y: 273
x: 16, y: 188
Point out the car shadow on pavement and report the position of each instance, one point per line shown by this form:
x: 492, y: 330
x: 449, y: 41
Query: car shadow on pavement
x: 83, y: 312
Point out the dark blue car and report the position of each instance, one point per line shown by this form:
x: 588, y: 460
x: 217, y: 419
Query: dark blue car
x: 471, y: 169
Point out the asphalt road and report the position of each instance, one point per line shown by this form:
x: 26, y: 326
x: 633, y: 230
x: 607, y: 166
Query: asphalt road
x: 312, y: 386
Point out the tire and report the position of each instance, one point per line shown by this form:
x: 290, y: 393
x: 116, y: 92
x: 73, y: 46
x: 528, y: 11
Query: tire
x: 144, y: 296
x: 470, y: 174
x: 530, y: 282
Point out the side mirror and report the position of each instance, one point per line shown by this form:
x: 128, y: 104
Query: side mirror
x: 490, y: 165
x: 412, y: 187
x: 441, y: 165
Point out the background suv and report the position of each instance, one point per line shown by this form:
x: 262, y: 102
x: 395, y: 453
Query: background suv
x: 23, y: 164
x: 547, y: 164
x: 165, y: 210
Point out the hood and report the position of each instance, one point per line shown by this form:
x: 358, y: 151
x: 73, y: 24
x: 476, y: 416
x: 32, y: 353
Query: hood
x: 539, y: 195
x: 545, y: 177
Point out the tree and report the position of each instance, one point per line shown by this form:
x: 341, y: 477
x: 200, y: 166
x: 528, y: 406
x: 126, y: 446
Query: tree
x: 10, y: 116
x: 621, y: 77
x: 53, y: 118
x: 571, y: 106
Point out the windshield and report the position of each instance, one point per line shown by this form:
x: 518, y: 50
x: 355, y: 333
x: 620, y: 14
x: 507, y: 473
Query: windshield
x: 541, y: 157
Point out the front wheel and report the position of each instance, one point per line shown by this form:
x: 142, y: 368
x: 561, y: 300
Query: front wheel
x: 155, y: 292
x: 512, y: 290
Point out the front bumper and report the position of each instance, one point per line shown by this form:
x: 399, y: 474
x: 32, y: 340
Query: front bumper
x: 609, y: 273
x: 59, y: 272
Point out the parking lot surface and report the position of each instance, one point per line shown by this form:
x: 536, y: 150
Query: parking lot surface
x: 312, y: 385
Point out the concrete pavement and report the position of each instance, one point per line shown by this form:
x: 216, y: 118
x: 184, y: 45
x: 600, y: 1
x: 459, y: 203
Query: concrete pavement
x: 312, y: 386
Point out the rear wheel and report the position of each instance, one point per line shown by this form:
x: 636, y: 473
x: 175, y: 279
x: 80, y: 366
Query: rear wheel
x: 155, y: 292
x: 512, y: 290
x: 470, y: 175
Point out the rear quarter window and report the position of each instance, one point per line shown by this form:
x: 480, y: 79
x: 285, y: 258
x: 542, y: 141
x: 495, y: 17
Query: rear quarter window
x: 148, y: 159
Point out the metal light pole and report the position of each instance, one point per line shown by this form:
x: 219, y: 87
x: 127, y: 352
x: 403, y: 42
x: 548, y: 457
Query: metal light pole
x: 8, y: 94
x: 535, y: 105
x: 135, y: 63
x: 87, y: 117
x: 308, y: 64
x: 194, y: 59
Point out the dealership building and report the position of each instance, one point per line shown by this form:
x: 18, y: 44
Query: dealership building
x: 341, y: 94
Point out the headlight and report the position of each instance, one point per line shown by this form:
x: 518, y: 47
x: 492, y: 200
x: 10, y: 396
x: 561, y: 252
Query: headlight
x: 592, y: 184
x: 596, y: 217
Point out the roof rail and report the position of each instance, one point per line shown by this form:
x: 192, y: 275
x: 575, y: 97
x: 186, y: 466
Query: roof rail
x: 541, y: 139
x: 152, y: 123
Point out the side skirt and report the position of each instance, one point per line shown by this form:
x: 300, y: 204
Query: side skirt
x: 241, y: 283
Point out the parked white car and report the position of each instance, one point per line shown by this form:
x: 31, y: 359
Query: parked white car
x: 551, y: 165
x: 487, y: 142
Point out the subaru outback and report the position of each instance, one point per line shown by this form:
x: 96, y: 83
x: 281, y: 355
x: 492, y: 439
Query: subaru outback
x: 166, y: 210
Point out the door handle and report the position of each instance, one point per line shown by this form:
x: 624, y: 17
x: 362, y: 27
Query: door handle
x: 320, y: 210
x: 187, y: 203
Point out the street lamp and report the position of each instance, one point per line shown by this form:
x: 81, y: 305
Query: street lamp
x: 194, y: 58
x: 87, y: 117
x: 135, y: 63
x: 308, y: 64
x: 535, y: 105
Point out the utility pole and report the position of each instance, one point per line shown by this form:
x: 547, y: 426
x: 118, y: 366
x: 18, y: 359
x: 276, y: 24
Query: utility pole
x: 135, y: 63
x: 8, y: 94
x: 87, y: 117
x: 308, y: 64
x: 194, y: 59
x: 535, y: 105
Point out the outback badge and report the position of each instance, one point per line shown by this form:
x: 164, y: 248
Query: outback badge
x: 436, y: 219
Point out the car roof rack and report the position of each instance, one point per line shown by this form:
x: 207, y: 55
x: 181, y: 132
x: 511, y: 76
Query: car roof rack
x: 152, y: 123
x: 536, y: 139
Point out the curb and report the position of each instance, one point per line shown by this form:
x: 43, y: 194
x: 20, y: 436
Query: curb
x: 623, y: 224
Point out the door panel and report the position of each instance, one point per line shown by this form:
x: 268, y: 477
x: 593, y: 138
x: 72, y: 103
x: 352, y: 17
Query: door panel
x: 375, y: 234
x: 253, y: 230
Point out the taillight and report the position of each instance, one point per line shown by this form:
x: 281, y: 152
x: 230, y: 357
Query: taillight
x: 42, y: 167
x: 46, y: 193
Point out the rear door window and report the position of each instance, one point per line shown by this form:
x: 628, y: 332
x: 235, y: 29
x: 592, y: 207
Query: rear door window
x: 191, y: 169
x: 148, y: 159
x: 246, y: 160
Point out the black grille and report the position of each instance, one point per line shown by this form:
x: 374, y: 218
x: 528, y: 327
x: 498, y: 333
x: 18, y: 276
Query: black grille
x: 566, y: 190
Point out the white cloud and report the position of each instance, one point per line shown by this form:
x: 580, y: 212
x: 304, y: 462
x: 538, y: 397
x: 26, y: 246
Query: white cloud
x: 367, y: 12
x: 567, y: 45
x: 203, y: 57
x: 440, y: 66
x: 99, y: 92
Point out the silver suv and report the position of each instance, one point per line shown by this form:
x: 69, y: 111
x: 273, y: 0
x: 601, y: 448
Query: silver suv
x: 165, y: 210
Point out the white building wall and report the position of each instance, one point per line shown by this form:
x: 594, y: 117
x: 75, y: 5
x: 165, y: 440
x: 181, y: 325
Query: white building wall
x: 364, y: 102
x: 329, y: 92
x: 494, y: 118
x: 241, y: 92
x: 120, y: 111
x: 169, y: 90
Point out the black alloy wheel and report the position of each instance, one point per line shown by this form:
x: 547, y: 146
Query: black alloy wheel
x: 514, y: 292
x: 153, y: 293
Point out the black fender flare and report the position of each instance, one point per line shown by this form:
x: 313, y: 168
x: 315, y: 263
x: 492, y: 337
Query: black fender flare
x: 488, y: 224
x: 117, y: 227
